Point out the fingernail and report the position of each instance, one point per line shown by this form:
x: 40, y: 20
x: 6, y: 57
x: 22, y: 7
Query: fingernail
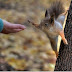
x: 23, y: 27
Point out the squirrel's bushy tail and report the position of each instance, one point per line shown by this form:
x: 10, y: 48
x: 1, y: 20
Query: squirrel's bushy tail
x: 56, y: 8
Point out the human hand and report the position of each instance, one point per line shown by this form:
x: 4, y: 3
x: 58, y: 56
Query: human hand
x: 12, y: 28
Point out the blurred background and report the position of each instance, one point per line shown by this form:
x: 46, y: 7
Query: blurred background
x: 28, y: 50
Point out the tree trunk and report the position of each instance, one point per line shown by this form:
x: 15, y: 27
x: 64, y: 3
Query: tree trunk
x: 64, y: 60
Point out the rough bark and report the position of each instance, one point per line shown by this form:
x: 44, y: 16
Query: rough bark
x: 64, y: 60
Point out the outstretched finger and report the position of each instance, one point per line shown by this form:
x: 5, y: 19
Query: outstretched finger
x: 17, y: 30
x: 17, y: 26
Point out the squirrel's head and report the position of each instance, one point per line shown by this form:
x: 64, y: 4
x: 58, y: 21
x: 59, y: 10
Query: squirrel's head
x: 48, y: 21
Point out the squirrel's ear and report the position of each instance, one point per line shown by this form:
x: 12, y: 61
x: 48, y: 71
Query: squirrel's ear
x: 46, y: 13
x: 52, y: 18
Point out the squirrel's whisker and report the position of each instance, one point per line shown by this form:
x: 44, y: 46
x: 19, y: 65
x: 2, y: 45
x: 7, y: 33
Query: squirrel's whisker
x: 36, y: 25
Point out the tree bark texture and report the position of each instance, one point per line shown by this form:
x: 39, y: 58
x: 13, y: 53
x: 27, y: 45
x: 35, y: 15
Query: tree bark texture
x: 64, y: 60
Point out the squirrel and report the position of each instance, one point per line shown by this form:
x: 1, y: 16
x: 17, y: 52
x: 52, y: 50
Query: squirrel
x: 52, y: 24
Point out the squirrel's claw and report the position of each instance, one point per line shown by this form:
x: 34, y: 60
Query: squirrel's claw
x: 61, y: 33
x: 65, y: 41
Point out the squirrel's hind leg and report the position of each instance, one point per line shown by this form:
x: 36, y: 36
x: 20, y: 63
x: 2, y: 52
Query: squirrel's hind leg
x: 62, y: 16
x: 64, y: 12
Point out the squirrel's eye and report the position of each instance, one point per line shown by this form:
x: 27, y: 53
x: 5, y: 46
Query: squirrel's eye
x: 46, y: 24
